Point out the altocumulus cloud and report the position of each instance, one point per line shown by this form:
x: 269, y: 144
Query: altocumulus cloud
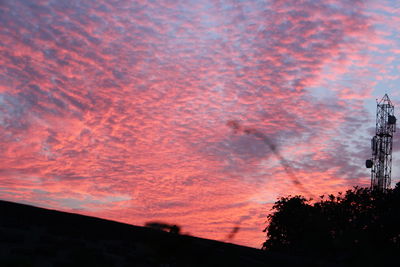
x: 118, y: 109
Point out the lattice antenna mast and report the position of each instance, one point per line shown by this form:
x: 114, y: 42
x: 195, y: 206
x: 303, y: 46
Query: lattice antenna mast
x: 382, y: 143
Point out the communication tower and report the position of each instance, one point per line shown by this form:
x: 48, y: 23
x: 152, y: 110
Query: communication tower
x: 381, y: 144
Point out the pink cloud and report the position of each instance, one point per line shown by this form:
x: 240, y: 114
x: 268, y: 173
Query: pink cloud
x: 119, y: 110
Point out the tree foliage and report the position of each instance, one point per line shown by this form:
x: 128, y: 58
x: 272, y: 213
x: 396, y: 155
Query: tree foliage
x: 361, y: 220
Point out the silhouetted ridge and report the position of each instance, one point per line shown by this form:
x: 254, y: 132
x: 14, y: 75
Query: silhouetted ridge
x: 31, y: 236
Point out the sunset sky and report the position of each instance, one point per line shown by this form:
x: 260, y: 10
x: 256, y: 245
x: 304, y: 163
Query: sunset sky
x: 119, y: 108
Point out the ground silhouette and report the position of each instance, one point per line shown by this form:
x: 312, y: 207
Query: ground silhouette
x: 31, y: 236
x: 357, y: 228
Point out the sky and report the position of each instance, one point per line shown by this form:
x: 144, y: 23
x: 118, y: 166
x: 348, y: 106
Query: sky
x: 123, y: 109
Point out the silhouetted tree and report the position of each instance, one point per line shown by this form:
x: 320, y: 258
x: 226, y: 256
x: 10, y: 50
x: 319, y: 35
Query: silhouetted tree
x: 362, y: 220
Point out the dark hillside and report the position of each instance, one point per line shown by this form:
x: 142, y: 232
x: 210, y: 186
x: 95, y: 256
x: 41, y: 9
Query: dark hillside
x: 31, y: 236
